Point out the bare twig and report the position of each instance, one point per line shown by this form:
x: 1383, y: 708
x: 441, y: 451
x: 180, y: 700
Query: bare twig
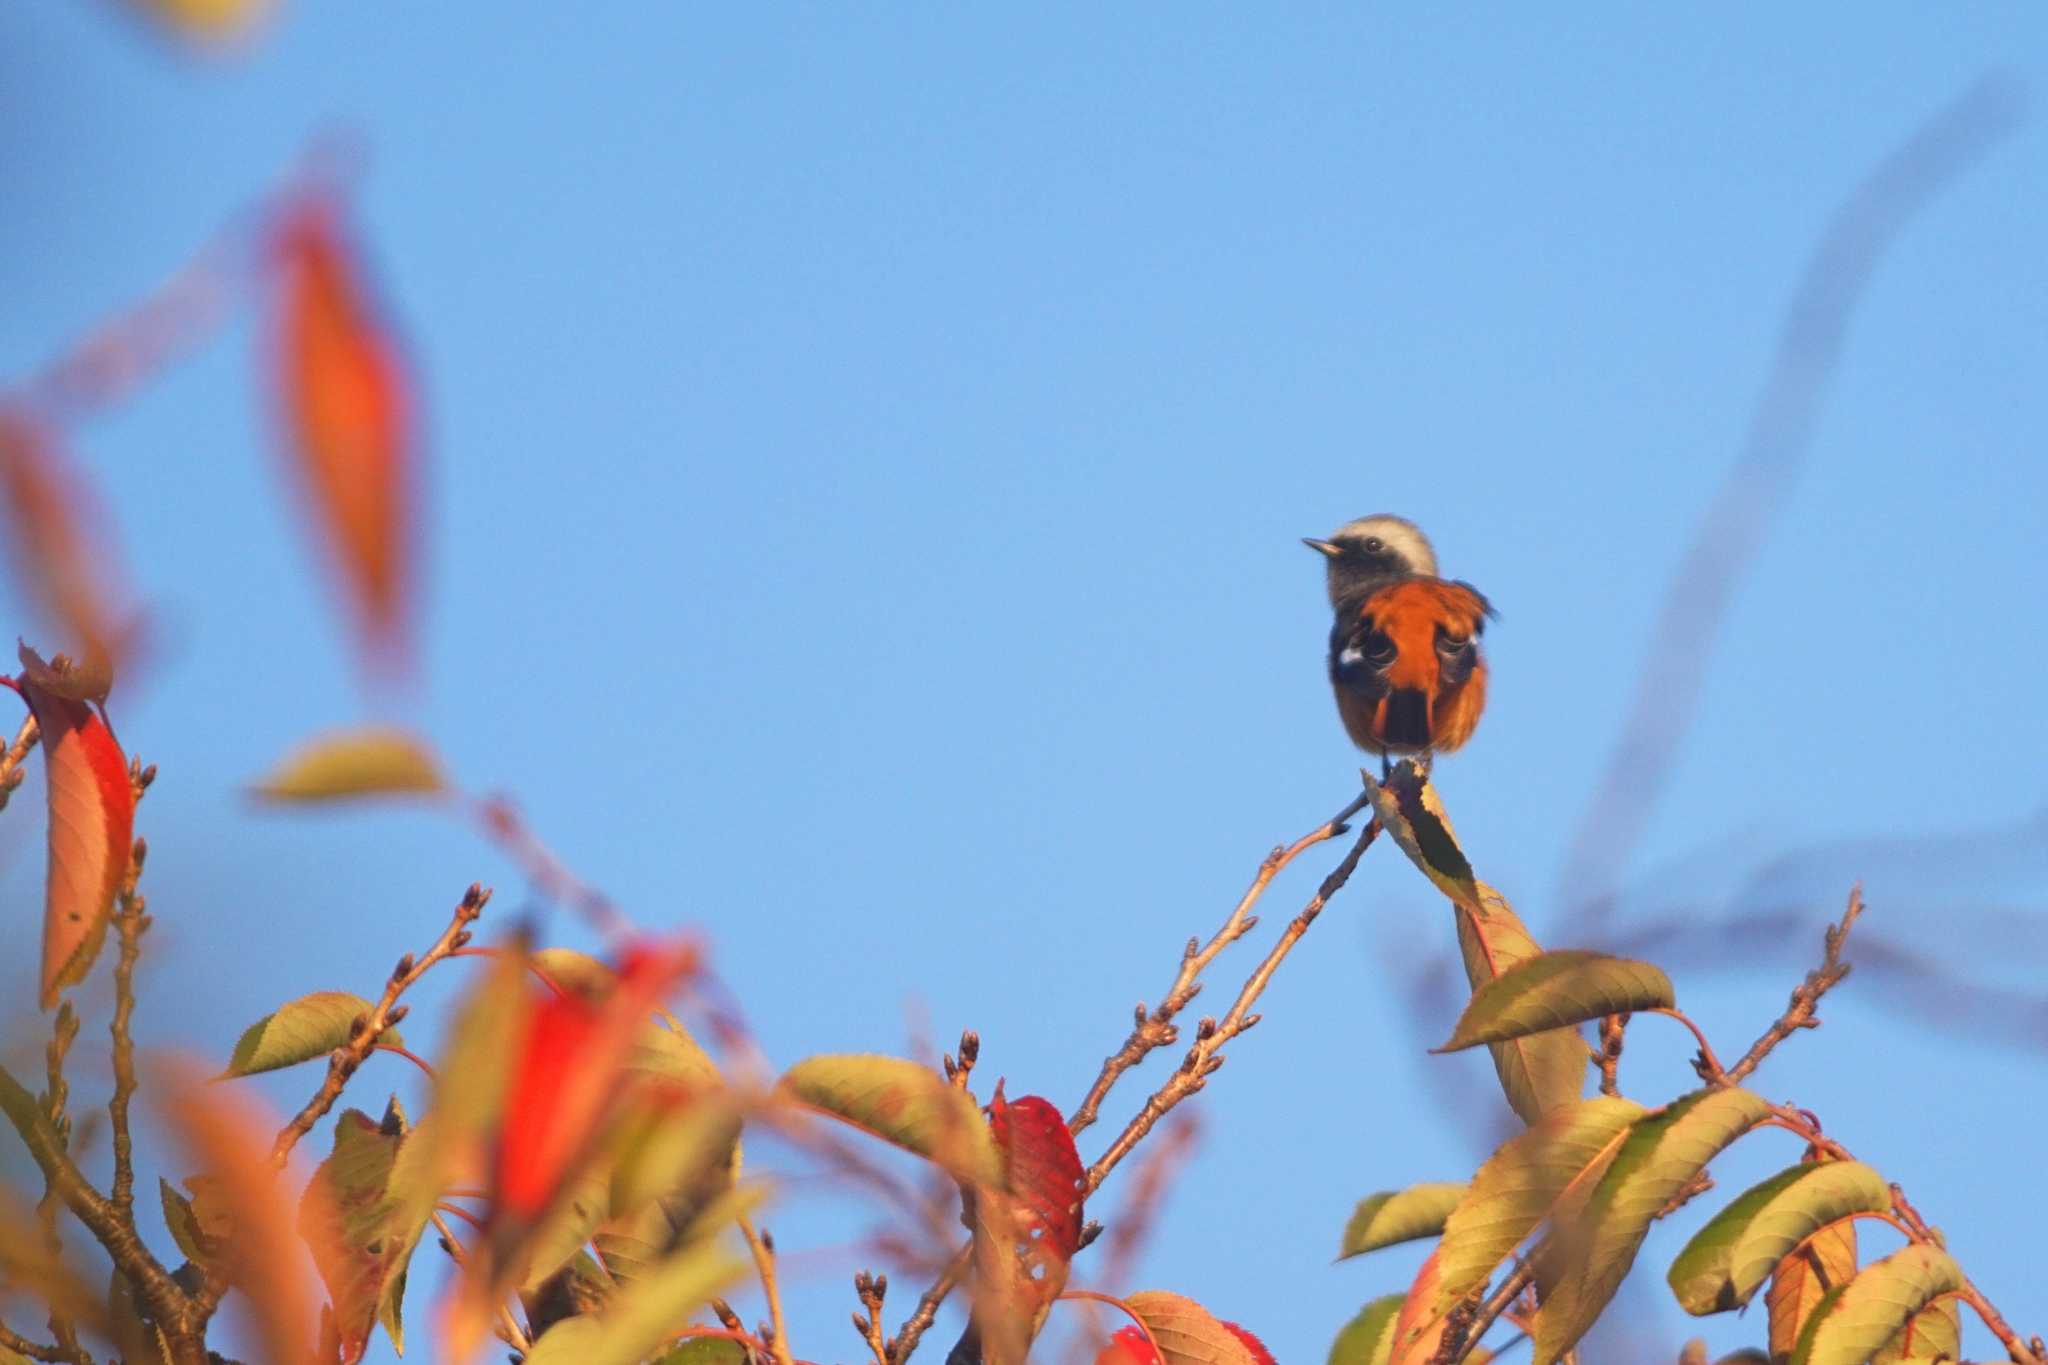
x: 871, y: 1290
x: 1799, y: 1013
x: 344, y: 1060
x: 1155, y: 1029
x: 905, y: 1341
x: 960, y: 1068
x: 1609, y: 1056
x: 1496, y: 1304
x: 131, y: 922
x: 1706, y: 1063
x: 763, y: 1248
x: 1210, y: 1035
x: 13, y: 1341
x: 11, y: 771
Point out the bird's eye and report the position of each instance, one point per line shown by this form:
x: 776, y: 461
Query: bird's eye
x: 1373, y: 545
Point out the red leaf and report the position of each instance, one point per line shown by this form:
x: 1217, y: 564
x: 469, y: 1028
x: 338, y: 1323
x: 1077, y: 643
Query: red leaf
x: 1252, y: 1344
x: 59, y: 541
x: 566, y: 1076
x: 1129, y: 1347
x: 1045, y: 1174
x: 92, y: 820
x: 344, y: 397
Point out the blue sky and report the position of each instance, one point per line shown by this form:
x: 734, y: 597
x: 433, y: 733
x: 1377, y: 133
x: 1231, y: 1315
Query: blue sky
x: 868, y: 452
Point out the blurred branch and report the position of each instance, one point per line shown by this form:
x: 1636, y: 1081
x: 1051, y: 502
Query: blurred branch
x: 501, y: 820
x: 762, y: 1247
x: 1131, y: 1225
x: 131, y: 922
x: 1156, y: 1029
x: 1729, y: 535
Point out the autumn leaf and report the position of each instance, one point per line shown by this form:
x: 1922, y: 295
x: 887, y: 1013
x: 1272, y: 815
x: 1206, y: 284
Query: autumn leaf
x: 356, y: 763
x: 345, y: 1222
x: 228, y: 1136
x: 60, y: 544
x: 344, y: 399
x: 208, y: 21
x: 91, y: 825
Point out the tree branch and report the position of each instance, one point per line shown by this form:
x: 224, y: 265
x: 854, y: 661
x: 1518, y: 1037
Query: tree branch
x: 1156, y: 1029
x: 1210, y: 1035
x: 1799, y: 1013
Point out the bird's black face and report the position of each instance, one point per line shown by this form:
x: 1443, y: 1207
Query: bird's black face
x: 1358, y: 562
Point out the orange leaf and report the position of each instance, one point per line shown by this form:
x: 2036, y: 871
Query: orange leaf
x: 92, y: 819
x: 344, y: 397
x: 59, y: 539
x: 1417, y: 1329
x: 228, y: 1136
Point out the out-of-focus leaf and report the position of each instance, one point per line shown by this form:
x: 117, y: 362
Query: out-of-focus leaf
x: 1557, y: 990
x: 903, y: 1103
x: 646, y: 1311
x: 356, y: 763
x: 61, y: 546
x: 29, y: 1265
x: 1584, y: 1262
x: 91, y: 827
x: 341, y: 1216
x: 1392, y: 1216
x: 1368, y: 1339
x: 1547, y: 1171
x: 1418, y: 1330
x: 1731, y: 1257
x: 567, y: 1227
x: 704, y: 1351
x: 1186, y: 1332
x: 347, y: 410
x: 209, y: 21
x: 1876, y: 1305
x: 1126, y: 1346
x: 1803, y: 1279
x: 1537, y: 1072
x: 308, y: 1027
x: 229, y: 1136
x: 198, y: 1232
x: 1936, y: 1331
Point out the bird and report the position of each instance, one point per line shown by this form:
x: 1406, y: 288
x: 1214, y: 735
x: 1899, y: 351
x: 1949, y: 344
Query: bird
x: 1404, y: 656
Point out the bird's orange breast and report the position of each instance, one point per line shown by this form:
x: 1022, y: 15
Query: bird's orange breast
x: 1407, y: 669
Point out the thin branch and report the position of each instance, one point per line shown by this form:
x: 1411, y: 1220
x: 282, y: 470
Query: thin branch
x: 1799, y: 1013
x: 1612, y: 1027
x: 344, y: 1060
x: 913, y: 1329
x: 762, y: 1246
x: 1156, y: 1029
x: 871, y: 1290
x: 1210, y: 1035
x: 21, y: 1345
x: 508, y: 1329
x: 131, y: 922
x: 12, y: 774
x: 1496, y: 1304
x: 1706, y: 1063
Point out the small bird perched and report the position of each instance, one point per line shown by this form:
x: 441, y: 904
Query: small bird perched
x: 1404, y: 651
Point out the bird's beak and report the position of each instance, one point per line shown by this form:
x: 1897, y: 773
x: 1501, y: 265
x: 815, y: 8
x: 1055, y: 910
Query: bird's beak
x: 1321, y: 546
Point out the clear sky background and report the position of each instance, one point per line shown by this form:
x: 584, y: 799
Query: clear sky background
x: 868, y: 453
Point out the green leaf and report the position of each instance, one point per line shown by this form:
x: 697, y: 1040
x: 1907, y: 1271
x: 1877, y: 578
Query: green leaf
x: 1557, y: 990
x: 904, y: 1103
x: 184, y: 1225
x: 1368, y: 1339
x: 1584, y: 1262
x: 355, y: 763
x: 1877, y: 1304
x: 1731, y: 1257
x: 1392, y: 1216
x: 344, y: 1219
x: 310, y: 1026
x: 705, y: 1351
x: 1186, y: 1332
x: 568, y: 1223
x: 1530, y: 1177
